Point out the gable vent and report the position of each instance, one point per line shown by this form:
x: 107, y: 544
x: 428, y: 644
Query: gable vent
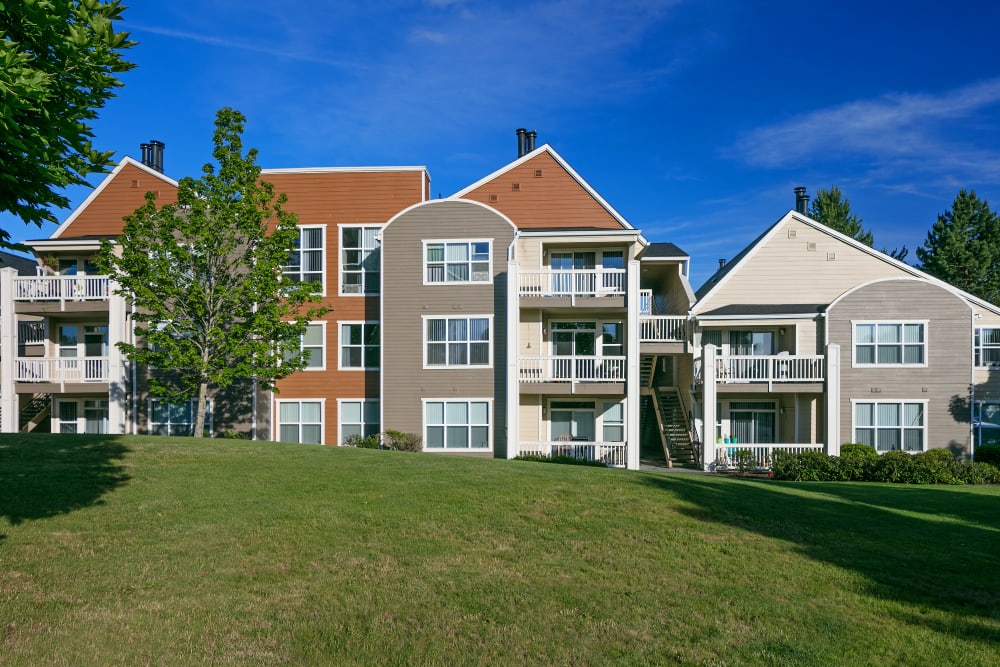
x: 515, y: 187
x: 811, y: 246
x: 792, y: 233
x: 494, y: 199
x: 831, y: 256
x: 538, y: 173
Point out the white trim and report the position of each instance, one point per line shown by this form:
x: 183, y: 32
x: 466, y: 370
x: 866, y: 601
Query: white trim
x: 628, y: 233
x: 469, y: 262
x: 340, y: 415
x: 892, y: 401
x: 545, y: 148
x: 446, y: 366
x: 322, y: 251
x: 103, y: 184
x: 192, y: 404
x: 340, y: 346
x: 762, y: 316
x: 342, y: 170
x: 322, y: 417
x: 490, y: 416
x: 891, y: 322
x: 341, y: 249
x: 981, y: 348
x: 449, y: 201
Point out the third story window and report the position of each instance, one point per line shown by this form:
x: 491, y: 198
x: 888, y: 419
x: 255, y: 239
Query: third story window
x: 987, y: 348
x: 889, y: 344
x: 360, y: 263
x: 305, y: 261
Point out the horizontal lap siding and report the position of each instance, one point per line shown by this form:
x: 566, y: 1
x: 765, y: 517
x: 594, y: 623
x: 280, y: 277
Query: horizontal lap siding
x: 407, y: 300
x: 120, y: 197
x: 949, y: 355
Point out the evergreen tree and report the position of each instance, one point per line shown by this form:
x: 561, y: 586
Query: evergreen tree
x: 963, y: 247
x: 212, y: 304
x: 834, y: 210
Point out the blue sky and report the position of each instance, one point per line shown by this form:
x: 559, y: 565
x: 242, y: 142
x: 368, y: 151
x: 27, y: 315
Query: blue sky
x: 694, y: 119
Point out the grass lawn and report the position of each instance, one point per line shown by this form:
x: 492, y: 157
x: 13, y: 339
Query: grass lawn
x: 134, y: 550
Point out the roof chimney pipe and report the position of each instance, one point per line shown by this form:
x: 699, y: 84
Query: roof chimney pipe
x: 522, y: 141
x: 144, y: 149
x: 722, y: 263
x: 156, y: 155
x: 530, y: 144
x: 801, y: 201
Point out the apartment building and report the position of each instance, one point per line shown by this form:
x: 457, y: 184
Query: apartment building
x: 525, y: 315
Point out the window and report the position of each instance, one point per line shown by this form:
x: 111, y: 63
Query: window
x: 360, y: 260
x: 359, y: 345
x: 313, y: 345
x: 305, y: 261
x: 300, y: 421
x: 889, y: 426
x: 358, y: 417
x: 457, y: 341
x: 751, y: 343
x: 614, y: 422
x: 167, y: 418
x: 987, y: 348
x: 889, y: 344
x: 457, y: 424
x: 986, y: 422
x: 458, y: 262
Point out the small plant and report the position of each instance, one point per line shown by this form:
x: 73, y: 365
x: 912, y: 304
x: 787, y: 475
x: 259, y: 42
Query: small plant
x: 856, y: 462
x: 404, y: 442
x: 745, y: 461
x: 559, y: 458
x: 808, y: 466
x: 363, y: 442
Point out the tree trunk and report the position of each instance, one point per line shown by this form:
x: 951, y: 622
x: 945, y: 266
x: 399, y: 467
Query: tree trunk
x: 199, y: 420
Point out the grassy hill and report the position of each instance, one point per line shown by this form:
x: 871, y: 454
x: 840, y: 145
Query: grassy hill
x: 134, y: 550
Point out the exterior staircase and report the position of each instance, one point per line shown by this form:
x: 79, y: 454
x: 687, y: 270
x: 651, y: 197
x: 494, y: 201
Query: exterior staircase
x: 677, y: 436
x: 647, y: 363
x: 35, y: 414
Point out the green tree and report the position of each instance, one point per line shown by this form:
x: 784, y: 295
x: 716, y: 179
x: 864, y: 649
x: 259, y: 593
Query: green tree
x: 834, y: 210
x: 212, y: 304
x: 963, y: 247
x: 58, y: 61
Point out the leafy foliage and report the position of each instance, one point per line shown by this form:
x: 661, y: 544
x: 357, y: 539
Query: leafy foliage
x: 988, y: 454
x: 405, y: 442
x: 834, y: 210
x: 860, y: 463
x: 963, y: 247
x: 58, y: 61
x: 212, y: 304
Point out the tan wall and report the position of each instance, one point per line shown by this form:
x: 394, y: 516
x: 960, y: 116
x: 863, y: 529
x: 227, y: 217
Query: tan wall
x: 949, y: 355
x: 407, y: 301
x: 531, y: 427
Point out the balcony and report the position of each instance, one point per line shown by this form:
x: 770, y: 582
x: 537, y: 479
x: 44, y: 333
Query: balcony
x: 572, y: 369
x: 48, y: 293
x: 613, y: 454
x: 767, y: 369
x: 572, y: 283
x: 663, y: 328
x: 61, y: 369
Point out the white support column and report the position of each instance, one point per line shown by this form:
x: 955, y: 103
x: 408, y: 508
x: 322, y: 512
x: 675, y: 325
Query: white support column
x: 632, y: 366
x: 118, y: 327
x: 832, y: 408
x: 513, y: 396
x: 709, y: 399
x: 8, y: 353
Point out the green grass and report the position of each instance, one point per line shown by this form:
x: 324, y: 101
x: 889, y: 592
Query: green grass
x: 132, y: 551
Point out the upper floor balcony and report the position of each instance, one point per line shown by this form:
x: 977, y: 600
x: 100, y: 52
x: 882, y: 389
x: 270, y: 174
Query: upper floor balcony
x: 657, y: 328
x: 598, y: 287
x: 45, y: 293
x: 783, y: 369
x: 61, y: 369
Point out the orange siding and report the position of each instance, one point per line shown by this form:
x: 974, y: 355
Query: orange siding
x: 554, y: 199
x: 122, y: 196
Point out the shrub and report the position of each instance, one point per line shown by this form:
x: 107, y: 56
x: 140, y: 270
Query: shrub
x: 404, y: 442
x: 559, y: 458
x: 856, y: 462
x: 988, y: 454
x: 367, y: 442
x: 980, y: 473
x: 809, y: 466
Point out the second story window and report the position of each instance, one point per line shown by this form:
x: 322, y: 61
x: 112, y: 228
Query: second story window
x: 457, y: 341
x: 457, y: 262
x: 987, y: 348
x: 305, y: 261
x: 890, y: 344
x: 360, y: 263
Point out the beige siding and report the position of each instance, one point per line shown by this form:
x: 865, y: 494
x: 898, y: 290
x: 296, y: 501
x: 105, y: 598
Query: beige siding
x: 407, y: 301
x: 945, y: 379
x: 532, y: 427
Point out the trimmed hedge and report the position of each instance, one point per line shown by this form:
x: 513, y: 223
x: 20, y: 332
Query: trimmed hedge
x: 988, y: 454
x: 861, y: 463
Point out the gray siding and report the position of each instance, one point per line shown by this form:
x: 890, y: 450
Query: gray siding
x: 943, y: 382
x: 406, y: 301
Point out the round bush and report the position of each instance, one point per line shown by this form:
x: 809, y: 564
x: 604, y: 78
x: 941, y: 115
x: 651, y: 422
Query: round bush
x: 987, y: 454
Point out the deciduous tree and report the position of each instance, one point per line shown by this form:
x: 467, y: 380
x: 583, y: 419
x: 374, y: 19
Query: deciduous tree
x: 58, y: 65
x: 205, y: 275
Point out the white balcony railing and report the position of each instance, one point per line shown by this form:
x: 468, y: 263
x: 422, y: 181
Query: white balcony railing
x: 572, y: 369
x: 756, y: 456
x: 662, y: 328
x: 61, y: 369
x: 769, y: 368
x: 31, y: 332
x: 572, y: 282
x: 610, y: 453
x: 61, y: 288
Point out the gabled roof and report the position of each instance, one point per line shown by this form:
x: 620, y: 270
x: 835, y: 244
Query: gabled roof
x: 663, y: 251
x: 721, y: 277
x: 25, y: 266
x: 516, y: 190
x: 126, y: 165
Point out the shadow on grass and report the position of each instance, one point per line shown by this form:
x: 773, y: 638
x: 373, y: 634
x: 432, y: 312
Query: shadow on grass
x: 47, y: 475
x: 927, y: 547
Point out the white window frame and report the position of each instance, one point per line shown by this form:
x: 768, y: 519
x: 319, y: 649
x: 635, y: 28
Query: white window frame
x: 599, y: 407
x: 341, y: 263
x: 341, y: 345
x: 322, y: 256
x: 890, y: 401
x: 902, y: 344
x: 322, y: 349
x: 444, y: 263
x: 341, y: 402
x: 322, y: 418
x: 192, y: 406
x: 447, y: 318
x: 979, y: 347
x: 469, y: 424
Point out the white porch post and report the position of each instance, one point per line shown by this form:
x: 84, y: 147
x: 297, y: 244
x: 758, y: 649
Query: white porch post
x: 8, y: 351
x: 708, y: 408
x: 513, y: 399
x: 117, y: 381
x: 832, y: 400
x: 632, y: 366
